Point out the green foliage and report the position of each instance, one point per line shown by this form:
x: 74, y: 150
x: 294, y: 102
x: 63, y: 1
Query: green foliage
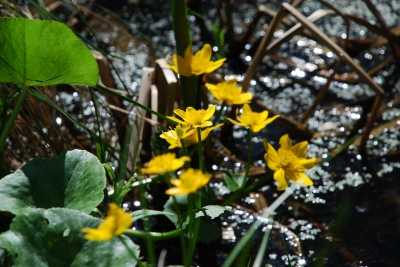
x: 35, y: 52
x: 74, y: 180
x: 139, y: 214
x: 180, y: 25
x: 170, y: 207
x: 233, y: 180
x: 52, y: 238
x: 212, y: 211
x: 219, y: 37
x: 158, y: 145
x: 208, y: 232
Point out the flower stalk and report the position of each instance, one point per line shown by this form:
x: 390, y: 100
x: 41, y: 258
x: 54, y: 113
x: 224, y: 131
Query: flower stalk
x: 249, y: 154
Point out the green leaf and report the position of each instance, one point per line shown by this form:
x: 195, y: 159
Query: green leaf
x: 233, y: 180
x: 139, y: 214
x: 43, y: 52
x: 212, y: 211
x: 208, y: 232
x: 159, y: 145
x: 52, y: 238
x: 169, y: 207
x: 74, y: 180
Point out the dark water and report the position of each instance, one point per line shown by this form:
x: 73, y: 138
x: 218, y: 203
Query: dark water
x: 350, y: 217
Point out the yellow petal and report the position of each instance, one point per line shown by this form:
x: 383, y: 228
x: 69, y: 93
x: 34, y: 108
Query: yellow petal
x: 204, y: 55
x: 177, y: 120
x: 173, y: 143
x: 233, y: 121
x: 300, y: 149
x: 176, y: 191
x: 271, y: 163
x: 265, y: 144
x: 243, y: 98
x: 305, y: 180
x: 96, y: 234
x: 209, y: 113
x: 181, y: 66
x: 232, y: 83
x: 212, y: 66
x: 191, y: 139
x: 285, y: 142
x: 180, y: 113
x: 257, y: 128
x: 113, y: 225
x: 122, y: 219
x: 211, y: 87
x: 164, y: 163
x: 246, y: 109
x: 263, y: 116
x: 190, y: 110
x: 188, y: 56
x: 279, y: 176
x: 271, y: 157
x: 268, y: 121
x: 306, y: 164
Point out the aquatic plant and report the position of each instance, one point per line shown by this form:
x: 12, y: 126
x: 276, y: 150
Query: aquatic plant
x: 73, y: 202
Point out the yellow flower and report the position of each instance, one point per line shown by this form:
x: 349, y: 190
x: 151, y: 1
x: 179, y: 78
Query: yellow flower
x: 189, y: 181
x: 289, y: 163
x: 114, y: 224
x: 165, y: 163
x: 195, y: 65
x: 256, y: 121
x: 194, y: 138
x: 174, y: 136
x: 228, y: 92
x: 194, y: 118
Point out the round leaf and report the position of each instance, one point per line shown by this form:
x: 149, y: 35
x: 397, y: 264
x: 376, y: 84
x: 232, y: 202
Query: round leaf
x: 43, y: 52
x: 74, y: 180
x: 52, y: 238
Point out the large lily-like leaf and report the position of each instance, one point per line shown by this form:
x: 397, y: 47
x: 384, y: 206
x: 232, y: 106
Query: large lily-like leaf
x: 75, y: 180
x: 52, y: 238
x: 38, y: 52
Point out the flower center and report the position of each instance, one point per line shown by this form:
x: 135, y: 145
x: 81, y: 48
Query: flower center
x: 179, y: 131
x: 288, y: 160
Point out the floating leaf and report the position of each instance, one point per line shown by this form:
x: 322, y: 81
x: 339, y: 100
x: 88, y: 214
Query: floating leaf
x: 74, y: 180
x: 52, y: 238
x: 43, y: 52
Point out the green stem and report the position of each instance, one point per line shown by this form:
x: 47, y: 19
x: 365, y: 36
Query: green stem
x: 13, y: 117
x: 248, y: 189
x: 200, y: 150
x: 191, y: 228
x: 219, y: 113
x: 184, y: 153
x: 152, y: 235
x: 186, y: 260
x: 149, y: 242
x: 249, y: 154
